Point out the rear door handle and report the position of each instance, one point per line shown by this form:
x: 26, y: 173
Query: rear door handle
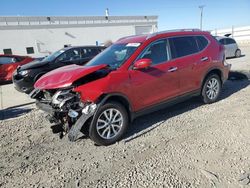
x: 204, y: 59
x: 172, y: 69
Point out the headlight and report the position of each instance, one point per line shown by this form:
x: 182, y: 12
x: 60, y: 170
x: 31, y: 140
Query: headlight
x: 24, y: 72
x: 60, y: 96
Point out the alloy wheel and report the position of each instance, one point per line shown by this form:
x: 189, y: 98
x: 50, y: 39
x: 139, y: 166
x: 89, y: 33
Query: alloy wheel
x: 212, y: 88
x: 109, y: 123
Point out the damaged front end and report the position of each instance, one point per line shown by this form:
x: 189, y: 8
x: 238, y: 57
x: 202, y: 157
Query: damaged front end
x: 56, y: 94
x: 65, y: 108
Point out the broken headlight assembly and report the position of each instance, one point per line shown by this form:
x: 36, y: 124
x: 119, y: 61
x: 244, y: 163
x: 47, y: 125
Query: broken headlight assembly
x: 66, y: 99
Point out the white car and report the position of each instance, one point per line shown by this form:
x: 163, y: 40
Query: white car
x: 231, y: 47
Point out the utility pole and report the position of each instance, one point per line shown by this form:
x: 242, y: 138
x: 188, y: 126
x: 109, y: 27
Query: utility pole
x: 201, y: 8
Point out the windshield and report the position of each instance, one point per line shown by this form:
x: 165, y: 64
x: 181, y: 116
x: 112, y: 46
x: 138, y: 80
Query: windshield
x: 115, y: 55
x: 53, y: 56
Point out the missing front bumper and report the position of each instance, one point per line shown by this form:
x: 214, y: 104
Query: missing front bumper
x: 45, y: 107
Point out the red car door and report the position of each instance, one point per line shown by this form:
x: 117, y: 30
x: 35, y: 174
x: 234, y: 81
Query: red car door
x: 185, y: 51
x: 157, y: 83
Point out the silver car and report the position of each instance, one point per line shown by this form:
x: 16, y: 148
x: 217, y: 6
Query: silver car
x: 231, y: 47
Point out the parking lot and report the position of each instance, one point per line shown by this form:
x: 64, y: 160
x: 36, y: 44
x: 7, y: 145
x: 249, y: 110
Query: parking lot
x: 187, y: 145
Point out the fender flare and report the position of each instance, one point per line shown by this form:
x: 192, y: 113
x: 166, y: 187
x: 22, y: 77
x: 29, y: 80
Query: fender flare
x: 208, y: 72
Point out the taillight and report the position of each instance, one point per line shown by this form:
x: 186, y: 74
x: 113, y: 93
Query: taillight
x: 222, y: 52
x: 224, y: 60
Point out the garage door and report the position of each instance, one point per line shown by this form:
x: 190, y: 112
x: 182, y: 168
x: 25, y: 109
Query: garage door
x: 143, y: 30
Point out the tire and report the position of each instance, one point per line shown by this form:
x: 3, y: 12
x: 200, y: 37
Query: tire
x: 105, y: 130
x: 238, y: 53
x: 211, y: 89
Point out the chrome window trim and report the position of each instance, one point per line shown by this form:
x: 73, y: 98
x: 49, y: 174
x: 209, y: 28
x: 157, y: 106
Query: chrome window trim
x: 169, y: 48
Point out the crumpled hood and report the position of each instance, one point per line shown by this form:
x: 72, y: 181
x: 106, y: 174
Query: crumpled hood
x: 65, y: 76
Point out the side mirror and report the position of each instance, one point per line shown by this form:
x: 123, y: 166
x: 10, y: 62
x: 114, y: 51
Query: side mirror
x: 142, y: 64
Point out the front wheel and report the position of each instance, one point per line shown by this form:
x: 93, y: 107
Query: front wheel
x: 109, y: 124
x: 211, y: 89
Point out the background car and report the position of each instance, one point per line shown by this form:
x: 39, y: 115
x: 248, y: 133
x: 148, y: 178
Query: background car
x: 9, y: 63
x: 231, y: 47
x: 25, y: 76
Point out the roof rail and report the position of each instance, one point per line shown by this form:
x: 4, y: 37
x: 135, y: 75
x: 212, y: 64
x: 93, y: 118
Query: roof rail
x: 168, y: 31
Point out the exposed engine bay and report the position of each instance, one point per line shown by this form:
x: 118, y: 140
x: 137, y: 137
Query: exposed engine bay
x: 64, y: 107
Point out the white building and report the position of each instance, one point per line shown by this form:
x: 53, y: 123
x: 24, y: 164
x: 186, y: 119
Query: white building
x: 39, y: 36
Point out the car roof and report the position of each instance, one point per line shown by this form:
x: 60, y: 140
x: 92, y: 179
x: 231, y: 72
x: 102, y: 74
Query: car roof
x: 168, y: 33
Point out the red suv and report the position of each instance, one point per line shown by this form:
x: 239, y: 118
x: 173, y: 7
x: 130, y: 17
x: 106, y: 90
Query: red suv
x: 134, y: 76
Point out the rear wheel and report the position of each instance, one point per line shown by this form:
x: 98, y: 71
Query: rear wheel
x: 109, y: 124
x: 237, y: 53
x: 211, y: 89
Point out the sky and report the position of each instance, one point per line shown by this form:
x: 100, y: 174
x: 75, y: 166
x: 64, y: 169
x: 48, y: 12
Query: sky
x: 173, y: 14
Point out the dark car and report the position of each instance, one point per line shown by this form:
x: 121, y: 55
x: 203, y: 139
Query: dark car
x: 9, y: 63
x: 25, y: 76
x: 134, y: 76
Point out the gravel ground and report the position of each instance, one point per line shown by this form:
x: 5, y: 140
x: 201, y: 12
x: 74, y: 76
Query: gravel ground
x: 187, y: 145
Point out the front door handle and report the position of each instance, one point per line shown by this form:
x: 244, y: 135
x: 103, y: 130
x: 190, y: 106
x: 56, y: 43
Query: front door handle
x: 204, y: 59
x: 172, y: 69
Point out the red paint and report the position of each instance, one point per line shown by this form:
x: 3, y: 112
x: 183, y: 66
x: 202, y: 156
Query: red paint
x: 64, y: 76
x: 7, y: 70
x: 144, y: 87
x: 142, y: 64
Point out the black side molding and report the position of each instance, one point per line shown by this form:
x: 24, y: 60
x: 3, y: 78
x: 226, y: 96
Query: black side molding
x: 165, y: 104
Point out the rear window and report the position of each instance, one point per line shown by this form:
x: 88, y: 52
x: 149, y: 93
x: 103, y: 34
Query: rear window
x: 222, y: 41
x: 183, y: 46
x: 230, y: 41
x: 202, y: 42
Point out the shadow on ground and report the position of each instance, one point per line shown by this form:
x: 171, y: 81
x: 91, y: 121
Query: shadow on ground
x: 242, y: 55
x: 5, y: 82
x: 237, y: 81
x: 14, y: 112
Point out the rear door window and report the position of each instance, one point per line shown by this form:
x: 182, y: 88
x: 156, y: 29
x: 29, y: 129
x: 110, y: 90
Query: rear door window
x: 202, y: 42
x: 183, y: 46
x: 89, y: 52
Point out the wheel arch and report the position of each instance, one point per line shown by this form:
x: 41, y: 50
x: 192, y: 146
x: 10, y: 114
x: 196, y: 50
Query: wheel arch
x: 212, y: 71
x: 119, y: 98
x: 38, y: 76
